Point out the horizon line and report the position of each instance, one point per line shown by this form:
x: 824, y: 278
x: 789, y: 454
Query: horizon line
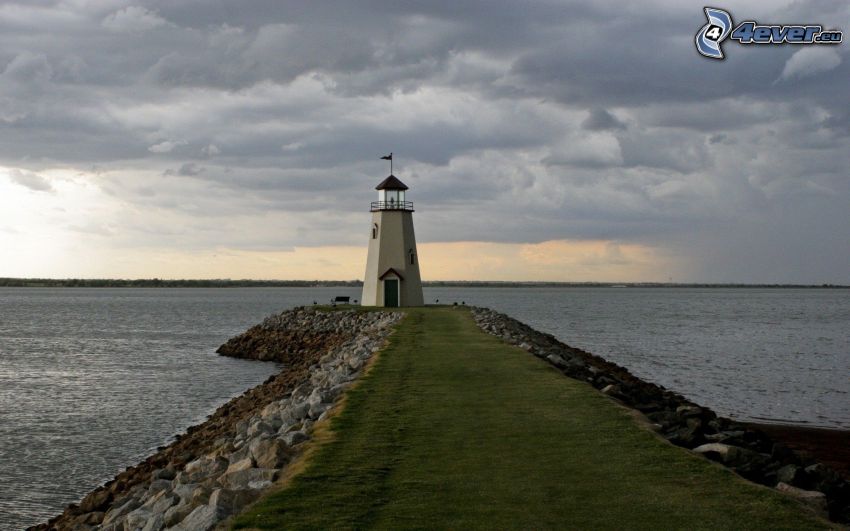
x: 246, y: 282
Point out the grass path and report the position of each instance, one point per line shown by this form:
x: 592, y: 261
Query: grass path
x: 454, y: 429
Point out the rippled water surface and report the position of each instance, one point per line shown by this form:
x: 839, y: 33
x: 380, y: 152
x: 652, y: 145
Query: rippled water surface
x: 93, y: 380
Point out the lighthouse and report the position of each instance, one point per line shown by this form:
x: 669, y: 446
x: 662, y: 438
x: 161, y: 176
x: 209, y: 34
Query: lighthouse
x: 392, y: 267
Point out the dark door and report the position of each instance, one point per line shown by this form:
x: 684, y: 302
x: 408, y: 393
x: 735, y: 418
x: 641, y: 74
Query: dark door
x: 391, y: 293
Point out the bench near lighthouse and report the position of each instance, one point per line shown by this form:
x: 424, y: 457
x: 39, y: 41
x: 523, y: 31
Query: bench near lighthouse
x: 392, y: 267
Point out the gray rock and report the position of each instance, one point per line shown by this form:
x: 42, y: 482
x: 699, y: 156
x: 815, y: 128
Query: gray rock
x: 202, y: 518
x: 260, y: 485
x: 287, y: 427
x: 689, y: 411
x: 315, y: 397
x: 241, y: 426
x: 201, y: 469
x: 812, y: 498
x: 789, y: 474
x: 178, y: 513
x: 569, y: 363
x: 270, y: 453
x: 719, y: 449
x: 242, y: 478
x: 331, y: 364
x: 200, y: 495
x: 240, y: 454
x: 732, y: 456
x: 96, y: 500
x: 184, y: 491
x: 137, y: 519
x: 163, y: 473
x: 228, y: 502
x: 295, y: 437
x: 724, y: 436
x: 303, y: 425
x: 556, y: 360
x: 295, y: 412
x: 337, y: 378
x: 821, y: 475
x: 259, y: 428
x: 159, y: 485
x: 119, y: 511
x: 275, y: 422
x: 155, y: 523
x: 160, y: 502
x: 223, y: 445
x: 243, y: 464
x: 271, y: 410
x: 316, y: 410
x: 93, y: 518
x: 336, y: 391
x: 611, y: 389
x: 689, y: 436
x: 302, y: 391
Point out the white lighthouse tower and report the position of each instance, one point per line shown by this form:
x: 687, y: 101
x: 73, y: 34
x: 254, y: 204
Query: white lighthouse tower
x: 392, y: 268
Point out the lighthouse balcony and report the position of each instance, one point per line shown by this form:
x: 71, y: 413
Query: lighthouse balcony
x: 392, y: 205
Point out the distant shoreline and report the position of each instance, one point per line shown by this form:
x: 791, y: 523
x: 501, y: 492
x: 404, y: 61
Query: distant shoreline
x: 245, y: 283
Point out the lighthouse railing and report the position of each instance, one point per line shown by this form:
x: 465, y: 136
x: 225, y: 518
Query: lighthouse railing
x: 392, y: 205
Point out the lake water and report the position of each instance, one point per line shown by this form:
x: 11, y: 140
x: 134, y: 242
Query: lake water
x: 93, y: 380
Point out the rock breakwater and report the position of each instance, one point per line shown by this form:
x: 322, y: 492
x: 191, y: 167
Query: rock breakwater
x: 218, y: 467
x: 742, y: 448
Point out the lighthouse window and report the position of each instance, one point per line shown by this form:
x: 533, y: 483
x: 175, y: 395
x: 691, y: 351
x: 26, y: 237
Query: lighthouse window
x: 412, y: 257
x: 374, y: 231
x: 392, y: 198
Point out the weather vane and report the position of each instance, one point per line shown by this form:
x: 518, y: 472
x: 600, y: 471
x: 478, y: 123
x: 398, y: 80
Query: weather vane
x: 389, y: 158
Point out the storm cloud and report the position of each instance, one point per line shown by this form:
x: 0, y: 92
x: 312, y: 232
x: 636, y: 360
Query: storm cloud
x: 207, y: 122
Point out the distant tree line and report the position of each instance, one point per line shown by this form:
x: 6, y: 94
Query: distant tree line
x: 168, y: 283
x: 532, y: 284
x: 245, y: 283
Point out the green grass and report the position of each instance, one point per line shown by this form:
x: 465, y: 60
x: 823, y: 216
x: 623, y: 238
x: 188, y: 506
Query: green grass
x: 454, y: 429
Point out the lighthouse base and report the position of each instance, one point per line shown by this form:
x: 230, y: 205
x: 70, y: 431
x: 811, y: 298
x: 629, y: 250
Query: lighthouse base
x: 392, y: 267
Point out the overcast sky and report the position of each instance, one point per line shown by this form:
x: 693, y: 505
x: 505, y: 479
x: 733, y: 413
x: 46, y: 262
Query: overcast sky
x: 541, y: 140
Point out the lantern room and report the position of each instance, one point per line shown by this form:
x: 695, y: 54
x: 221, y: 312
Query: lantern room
x: 391, y: 195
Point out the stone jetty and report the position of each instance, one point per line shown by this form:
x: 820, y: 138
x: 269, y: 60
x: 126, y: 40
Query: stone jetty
x: 218, y: 467
x: 749, y: 452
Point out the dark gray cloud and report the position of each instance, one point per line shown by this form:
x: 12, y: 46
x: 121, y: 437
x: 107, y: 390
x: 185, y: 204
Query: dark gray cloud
x: 511, y: 121
x: 601, y: 120
x: 187, y: 169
